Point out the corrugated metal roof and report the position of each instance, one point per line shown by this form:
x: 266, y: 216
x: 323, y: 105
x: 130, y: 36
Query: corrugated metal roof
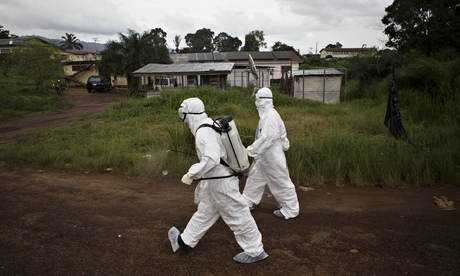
x: 185, y: 69
x: 316, y: 72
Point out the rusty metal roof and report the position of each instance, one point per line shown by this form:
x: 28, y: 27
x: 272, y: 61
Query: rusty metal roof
x: 208, y: 68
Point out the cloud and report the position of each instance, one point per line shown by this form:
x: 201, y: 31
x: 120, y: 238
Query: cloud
x: 301, y: 24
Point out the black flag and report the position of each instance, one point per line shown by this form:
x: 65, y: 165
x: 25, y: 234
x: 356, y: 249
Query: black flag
x: 393, y: 114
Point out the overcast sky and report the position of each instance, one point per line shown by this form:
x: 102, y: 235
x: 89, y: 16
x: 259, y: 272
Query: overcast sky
x: 306, y: 25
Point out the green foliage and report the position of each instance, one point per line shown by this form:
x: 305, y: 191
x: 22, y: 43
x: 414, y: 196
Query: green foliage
x: 374, y: 66
x: 440, y: 80
x: 17, y: 102
x: 177, y: 40
x: 426, y: 26
x: 278, y: 46
x: 253, y: 41
x: 133, y: 52
x: 70, y: 42
x: 4, y: 34
x: 226, y: 43
x: 330, y: 144
x: 19, y: 97
x: 201, y: 41
x: 36, y: 60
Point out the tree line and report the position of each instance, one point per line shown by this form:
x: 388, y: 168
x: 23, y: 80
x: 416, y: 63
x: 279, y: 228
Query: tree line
x: 424, y: 26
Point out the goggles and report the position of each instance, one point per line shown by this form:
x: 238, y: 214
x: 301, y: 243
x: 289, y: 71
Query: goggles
x: 258, y: 97
x: 183, y: 114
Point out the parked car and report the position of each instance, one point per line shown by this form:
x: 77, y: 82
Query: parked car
x: 98, y: 83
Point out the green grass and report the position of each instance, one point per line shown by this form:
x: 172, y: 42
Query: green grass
x: 330, y: 144
x: 337, y: 144
x: 18, y: 98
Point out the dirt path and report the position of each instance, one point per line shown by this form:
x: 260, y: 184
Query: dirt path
x: 84, y: 104
x: 68, y: 223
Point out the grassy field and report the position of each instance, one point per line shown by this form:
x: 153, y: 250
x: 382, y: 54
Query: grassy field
x: 19, y: 99
x: 330, y: 144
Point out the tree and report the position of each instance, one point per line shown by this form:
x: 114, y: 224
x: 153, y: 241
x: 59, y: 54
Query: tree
x: 336, y: 45
x: 37, y: 60
x: 426, y: 26
x: 160, y: 46
x: 253, y: 41
x: 177, y: 40
x: 70, y: 42
x: 226, y: 43
x: 4, y: 34
x: 201, y: 41
x: 278, y: 46
x: 132, y: 53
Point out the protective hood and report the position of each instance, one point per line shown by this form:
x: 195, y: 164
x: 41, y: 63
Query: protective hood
x: 264, y: 99
x: 192, y: 113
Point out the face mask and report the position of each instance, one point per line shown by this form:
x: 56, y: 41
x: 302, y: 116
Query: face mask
x: 182, y: 114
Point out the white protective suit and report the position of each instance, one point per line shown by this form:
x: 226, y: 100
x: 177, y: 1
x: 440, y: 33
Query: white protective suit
x: 216, y: 197
x: 270, y: 167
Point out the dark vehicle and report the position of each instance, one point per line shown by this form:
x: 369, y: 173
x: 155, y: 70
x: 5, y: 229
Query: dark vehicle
x: 98, y: 83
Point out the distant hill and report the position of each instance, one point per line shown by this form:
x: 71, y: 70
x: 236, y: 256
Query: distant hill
x: 86, y: 45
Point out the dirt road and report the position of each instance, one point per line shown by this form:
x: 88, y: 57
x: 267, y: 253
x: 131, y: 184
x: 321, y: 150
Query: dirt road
x: 84, y: 104
x: 68, y: 223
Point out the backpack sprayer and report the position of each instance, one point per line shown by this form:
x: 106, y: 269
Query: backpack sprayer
x: 237, y: 155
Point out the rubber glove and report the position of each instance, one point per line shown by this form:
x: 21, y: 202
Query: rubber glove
x: 186, y: 179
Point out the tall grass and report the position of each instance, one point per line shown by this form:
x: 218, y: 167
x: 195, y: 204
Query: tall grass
x: 330, y: 144
x: 19, y: 99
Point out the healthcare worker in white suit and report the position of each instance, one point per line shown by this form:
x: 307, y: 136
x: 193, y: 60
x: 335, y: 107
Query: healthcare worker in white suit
x: 219, y: 197
x: 269, y: 166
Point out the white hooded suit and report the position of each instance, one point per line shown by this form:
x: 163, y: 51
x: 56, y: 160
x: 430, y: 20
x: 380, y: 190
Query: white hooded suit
x: 270, y: 167
x: 216, y: 197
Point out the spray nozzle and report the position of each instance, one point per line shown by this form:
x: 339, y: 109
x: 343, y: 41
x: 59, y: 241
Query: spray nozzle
x: 224, y: 123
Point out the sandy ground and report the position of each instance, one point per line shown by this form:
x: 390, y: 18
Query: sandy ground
x: 68, y: 223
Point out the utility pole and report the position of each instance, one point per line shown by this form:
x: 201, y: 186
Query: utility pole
x: 95, y: 46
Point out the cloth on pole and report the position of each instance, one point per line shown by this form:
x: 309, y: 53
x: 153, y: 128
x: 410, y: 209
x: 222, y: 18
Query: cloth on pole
x: 393, y: 114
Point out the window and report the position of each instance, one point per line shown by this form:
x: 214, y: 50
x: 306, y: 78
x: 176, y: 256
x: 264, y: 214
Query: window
x: 5, y: 51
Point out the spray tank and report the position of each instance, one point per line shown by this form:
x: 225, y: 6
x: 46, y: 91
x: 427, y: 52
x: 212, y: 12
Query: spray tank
x: 237, y: 155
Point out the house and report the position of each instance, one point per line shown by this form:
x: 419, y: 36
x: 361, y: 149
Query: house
x: 270, y: 68
x: 7, y: 45
x: 184, y: 75
x: 342, y: 53
x: 79, y: 65
x: 323, y: 85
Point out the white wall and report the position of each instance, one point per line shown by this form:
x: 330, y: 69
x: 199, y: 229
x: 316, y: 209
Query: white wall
x: 318, y: 88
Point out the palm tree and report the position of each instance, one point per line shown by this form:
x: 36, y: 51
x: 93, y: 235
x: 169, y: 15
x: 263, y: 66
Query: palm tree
x: 70, y: 42
x: 133, y: 52
x: 177, y: 40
